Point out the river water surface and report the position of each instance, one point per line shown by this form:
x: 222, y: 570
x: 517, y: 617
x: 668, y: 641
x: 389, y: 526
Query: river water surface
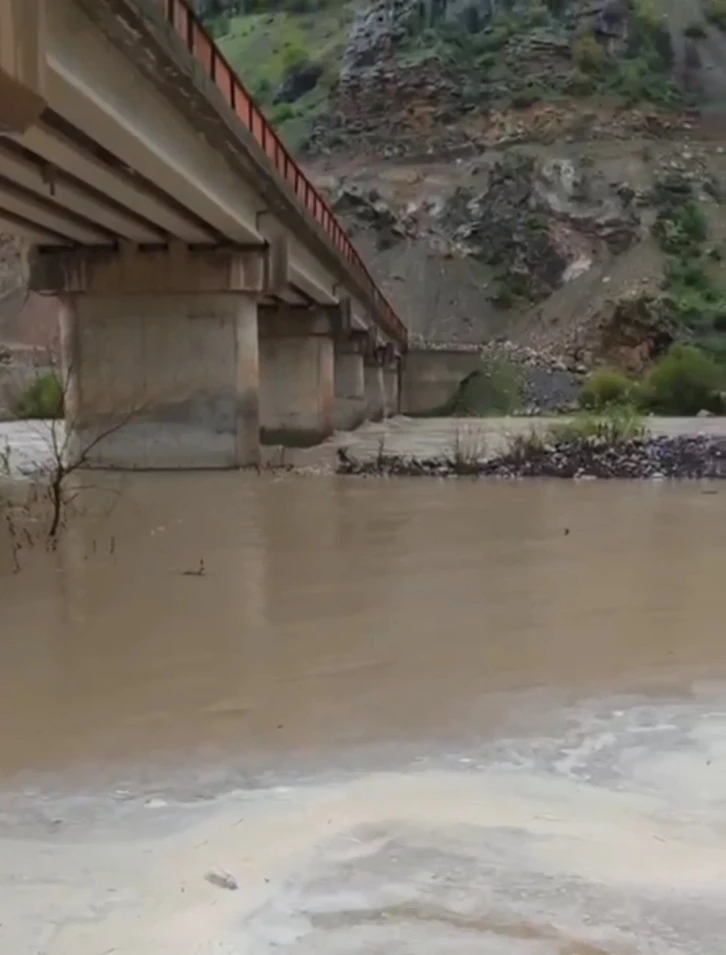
x: 406, y: 717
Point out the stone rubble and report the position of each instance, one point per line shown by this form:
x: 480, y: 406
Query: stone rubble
x: 653, y: 457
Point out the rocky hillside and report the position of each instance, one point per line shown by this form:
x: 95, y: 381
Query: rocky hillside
x: 392, y: 73
x: 605, y: 246
x: 514, y: 168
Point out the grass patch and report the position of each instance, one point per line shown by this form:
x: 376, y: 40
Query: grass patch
x: 265, y: 47
x: 617, y: 426
x: 467, y: 452
x: 41, y: 399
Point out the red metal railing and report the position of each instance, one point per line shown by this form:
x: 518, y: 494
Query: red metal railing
x: 202, y: 47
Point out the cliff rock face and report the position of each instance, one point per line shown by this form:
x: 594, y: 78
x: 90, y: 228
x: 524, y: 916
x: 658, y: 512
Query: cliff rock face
x: 420, y: 76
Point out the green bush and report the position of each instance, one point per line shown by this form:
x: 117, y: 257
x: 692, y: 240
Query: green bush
x: 715, y: 12
x: 294, y: 56
x: 650, y: 36
x: 613, y: 427
x: 496, y: 388
x: 695, y: 31
x: 681, y: 227
x: 588, y: 55
x: 41, y: 399
x: 281, y: 113
x: 604, y: 388
x: 685, y: 381
x: 537, y: 15
x: 220, y: 27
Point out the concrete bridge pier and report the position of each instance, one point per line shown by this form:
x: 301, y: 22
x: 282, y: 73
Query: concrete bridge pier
x: 297, y: 375
x: 160, y: 355
x: 375, y: 391
x: 382, y: 392
x: 391, y: 389
x: 349, y: 408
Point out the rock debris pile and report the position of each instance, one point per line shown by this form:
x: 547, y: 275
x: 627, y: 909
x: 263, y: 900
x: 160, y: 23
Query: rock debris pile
x: 696, y: 456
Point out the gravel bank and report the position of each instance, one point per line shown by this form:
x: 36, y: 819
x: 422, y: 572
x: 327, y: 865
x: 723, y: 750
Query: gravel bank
x: 655, y: 456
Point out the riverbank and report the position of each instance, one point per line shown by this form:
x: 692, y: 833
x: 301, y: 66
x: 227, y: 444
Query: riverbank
x: 673, y: 447
x: 648, y: 457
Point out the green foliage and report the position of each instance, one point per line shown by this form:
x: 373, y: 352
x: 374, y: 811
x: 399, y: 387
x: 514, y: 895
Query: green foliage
x: 636, y: 79
x: 715, y: 13
x: 581, y: 84
x: 267, y: 46
x: 537, y: 15
x: 604, y: 388
x: 617, y: 425
x: 42, y: 399
x: 696, y: 31
x: 220, y: 27
x: 294, y: 55
x: 494, y: 389
x: 684, y: 382
x: 528, y: 95
x: 261, y: 88
x: 649, y: 35
x: 588, y: 55
x: 280, y: 113
x: 681, y: 227
x: 557, y: 7
x: 513, y: 285
x: 693, y: 297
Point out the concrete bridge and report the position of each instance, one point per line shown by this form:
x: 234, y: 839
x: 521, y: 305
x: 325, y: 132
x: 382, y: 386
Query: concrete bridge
x: 210, y: 297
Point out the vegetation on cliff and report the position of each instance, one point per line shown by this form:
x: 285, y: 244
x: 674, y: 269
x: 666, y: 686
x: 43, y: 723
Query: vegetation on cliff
x: 298, y: 56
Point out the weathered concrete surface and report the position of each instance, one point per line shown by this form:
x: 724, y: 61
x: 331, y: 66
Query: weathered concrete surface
x: 375, y: 392
x: 22, y: 64
x: 391, y: 390
x: 167, y: 380
x: 349, y: 407
x: 297, y: 380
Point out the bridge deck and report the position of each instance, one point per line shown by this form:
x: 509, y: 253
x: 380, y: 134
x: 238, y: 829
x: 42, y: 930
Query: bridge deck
x: 201, y: 46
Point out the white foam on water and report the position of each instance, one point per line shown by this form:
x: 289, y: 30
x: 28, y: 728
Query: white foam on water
x: 606, y: 839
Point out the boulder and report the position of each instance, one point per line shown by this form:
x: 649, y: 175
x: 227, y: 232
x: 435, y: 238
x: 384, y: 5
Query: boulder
x: 298, y: 82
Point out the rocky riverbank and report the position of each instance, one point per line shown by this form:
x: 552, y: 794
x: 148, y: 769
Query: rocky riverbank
x: 652, y: 456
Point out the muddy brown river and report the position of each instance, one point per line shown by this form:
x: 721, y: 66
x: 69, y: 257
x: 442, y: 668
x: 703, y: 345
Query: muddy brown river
x: 395, y: 716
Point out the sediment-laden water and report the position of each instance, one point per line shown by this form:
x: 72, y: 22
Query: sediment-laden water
x: 406, y: 716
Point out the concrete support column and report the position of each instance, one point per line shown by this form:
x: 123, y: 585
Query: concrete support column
x: 23, y: 43
x: 297, y: 382
x: 349, y: 409
x: 375, y: 391
x: 391, y: 389
x: 162, y: 381
x: 382, y: 389
x: 160, y: 360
